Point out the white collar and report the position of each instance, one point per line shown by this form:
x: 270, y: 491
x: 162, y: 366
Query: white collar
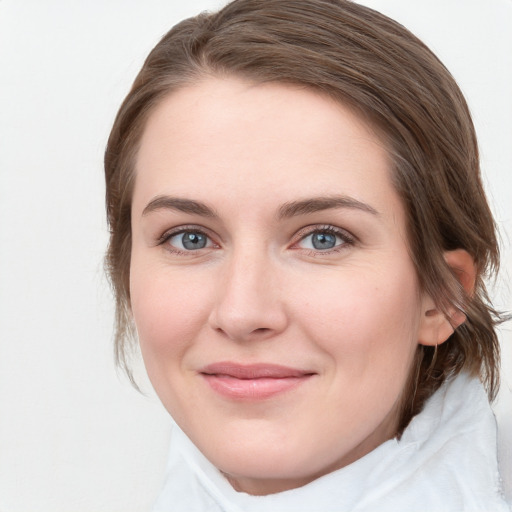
x: 445, y: 461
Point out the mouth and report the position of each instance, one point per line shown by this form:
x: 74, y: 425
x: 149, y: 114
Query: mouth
x: 253, y: 382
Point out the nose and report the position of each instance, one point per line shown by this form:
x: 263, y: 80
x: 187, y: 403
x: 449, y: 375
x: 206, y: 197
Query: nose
x: 249, y: 304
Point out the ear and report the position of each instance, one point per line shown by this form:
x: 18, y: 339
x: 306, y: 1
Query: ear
x: 435, y: 326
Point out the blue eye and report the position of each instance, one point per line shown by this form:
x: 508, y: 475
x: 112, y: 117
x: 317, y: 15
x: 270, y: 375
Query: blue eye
x: 189, y: 241
x: 324, y: 240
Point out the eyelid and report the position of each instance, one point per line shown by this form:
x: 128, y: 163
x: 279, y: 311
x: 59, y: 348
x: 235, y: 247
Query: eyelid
x: 347, y: 237
x: 169, y: 233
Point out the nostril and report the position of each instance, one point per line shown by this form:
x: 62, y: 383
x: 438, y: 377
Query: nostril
x: 237, y: 319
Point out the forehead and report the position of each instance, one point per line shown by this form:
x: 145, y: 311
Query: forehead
x: 229, y: 138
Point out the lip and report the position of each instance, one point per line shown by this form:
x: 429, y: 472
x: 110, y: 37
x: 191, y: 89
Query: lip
x: 254, y: 381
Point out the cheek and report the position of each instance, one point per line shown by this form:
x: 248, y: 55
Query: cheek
x: 168, y: 311
x: 365, y: 318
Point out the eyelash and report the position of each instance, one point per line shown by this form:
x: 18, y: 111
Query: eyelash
x: 346, y: 239
x: 179, y: 231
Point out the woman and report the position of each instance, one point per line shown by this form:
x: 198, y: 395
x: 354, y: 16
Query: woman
x: 299, y: 236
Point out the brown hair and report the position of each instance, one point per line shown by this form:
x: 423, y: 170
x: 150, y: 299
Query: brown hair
x: 373, y: 64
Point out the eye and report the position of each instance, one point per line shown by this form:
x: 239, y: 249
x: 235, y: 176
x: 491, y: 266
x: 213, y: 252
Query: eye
x: 325, y: 239
x: 189, y: 240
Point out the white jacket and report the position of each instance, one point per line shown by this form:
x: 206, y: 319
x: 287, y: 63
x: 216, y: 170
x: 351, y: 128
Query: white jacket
x: 446, y: 461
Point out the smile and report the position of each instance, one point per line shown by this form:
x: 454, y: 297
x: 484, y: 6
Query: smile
x: 252, y: 382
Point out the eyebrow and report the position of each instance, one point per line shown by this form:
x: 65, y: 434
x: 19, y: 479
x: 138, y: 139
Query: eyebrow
x: 178, y: 204
x: 287, y: 210
x: 317, y: 204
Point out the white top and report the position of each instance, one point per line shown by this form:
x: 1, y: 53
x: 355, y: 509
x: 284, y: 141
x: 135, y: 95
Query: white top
x: 446, y: 461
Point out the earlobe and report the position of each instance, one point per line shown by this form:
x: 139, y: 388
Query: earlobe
x: 436, y: 327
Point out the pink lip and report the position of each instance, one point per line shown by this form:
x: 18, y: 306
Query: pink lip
x: 254, y: 381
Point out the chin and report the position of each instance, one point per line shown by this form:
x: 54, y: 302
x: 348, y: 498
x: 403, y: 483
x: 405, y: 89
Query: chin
x: 267, y: 466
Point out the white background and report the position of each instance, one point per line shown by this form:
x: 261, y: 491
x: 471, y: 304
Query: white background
x: 74, y: 436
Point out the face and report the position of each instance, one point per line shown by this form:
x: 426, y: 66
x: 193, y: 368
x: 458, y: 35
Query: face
x: 276, y: 303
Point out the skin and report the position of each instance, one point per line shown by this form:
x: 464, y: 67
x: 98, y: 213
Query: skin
x: 260, y: 292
